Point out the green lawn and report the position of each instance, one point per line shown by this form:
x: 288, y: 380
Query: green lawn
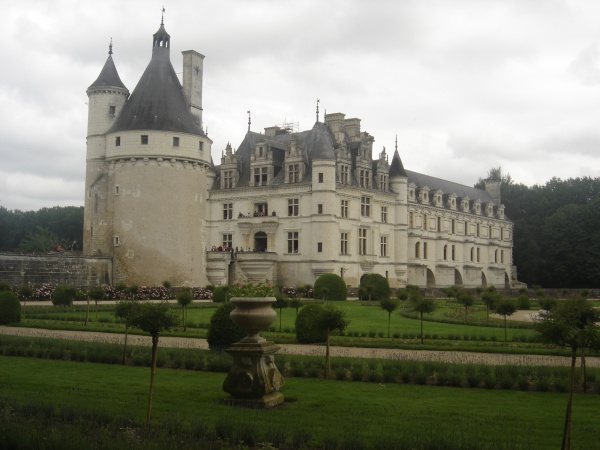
x: 411, y: 416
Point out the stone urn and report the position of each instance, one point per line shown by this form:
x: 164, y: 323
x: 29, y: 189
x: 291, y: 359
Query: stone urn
x: 253, y: 314
x: 254, y: 379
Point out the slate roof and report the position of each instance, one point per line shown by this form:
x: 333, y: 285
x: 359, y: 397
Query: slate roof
x: 108, y: 76
x: 397, y: 168
x: 158, y: 101
x: 448, y: 187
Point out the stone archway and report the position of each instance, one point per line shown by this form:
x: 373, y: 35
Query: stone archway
x: 458, y: 280
x: 430, y: 279
x: 260, y: 241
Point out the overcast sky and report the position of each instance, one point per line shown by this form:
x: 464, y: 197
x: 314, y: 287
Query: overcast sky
x: 465, y: 85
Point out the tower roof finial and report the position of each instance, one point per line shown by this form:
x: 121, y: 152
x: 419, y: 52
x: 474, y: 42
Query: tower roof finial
x: 396, y: 142
x: 110, y: 47
x: 249, y: 120
x: 162, y: 18
x: 318, y: 110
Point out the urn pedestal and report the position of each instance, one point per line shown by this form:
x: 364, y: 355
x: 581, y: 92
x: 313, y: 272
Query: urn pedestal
x: 254, y: 379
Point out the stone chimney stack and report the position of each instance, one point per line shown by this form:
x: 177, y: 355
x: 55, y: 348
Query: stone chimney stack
x: 192, y: 82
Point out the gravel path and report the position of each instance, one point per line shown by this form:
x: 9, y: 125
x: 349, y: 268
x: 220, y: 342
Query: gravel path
x: 315, y: 350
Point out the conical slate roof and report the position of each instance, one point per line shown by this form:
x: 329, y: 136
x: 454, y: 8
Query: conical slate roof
x: 108, y: 75
x: 397, y: 168
x: 158, y: 101
x: 319, y: 142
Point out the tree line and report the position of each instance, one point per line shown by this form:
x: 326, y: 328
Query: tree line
x: 40, y: 231
x: 556, y: 236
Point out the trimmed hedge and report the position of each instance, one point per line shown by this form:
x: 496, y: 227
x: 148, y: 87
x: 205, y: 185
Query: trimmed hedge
x: 222, y: 332
x: 64, y: 295
x: 330, y: 287
x: 380, y: 288
x: 307, y: 329
x: 219, y: 295
x: 10, y: 308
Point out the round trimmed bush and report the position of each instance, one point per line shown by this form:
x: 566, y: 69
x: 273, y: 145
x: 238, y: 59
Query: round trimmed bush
x: 10, y: 308
x: 222, y: 332
x: 523, y: 302
x: 307, y: 325
x: 64, y: 295
x: 5, y: 286
x: 330, y: 286
x: 220, y: 294
x: 377, y: 285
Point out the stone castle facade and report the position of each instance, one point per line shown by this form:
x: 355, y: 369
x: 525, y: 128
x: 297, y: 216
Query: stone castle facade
x: 289, y: 205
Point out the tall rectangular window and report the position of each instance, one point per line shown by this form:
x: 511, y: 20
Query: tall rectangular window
x: 144, y: 139
x: 227, y: 211
x: 200, y: 145
x: 320, y: 208
x: 261, y: 209
x: 478, y: 254
x: 383, y: 246
x: 424, y: 250
x: 453, y: 226
x: 365, y: 206
x: 320, y: 177
x: 383, y: 183
x: 118, y: 141
x: 112, y: 110
x: 261, y: 176
x: 445, y: 252
x: 228, y: 179
x: 175, y: 141
x: 343, y: 243
x: 384, y: 214
x: 502, y: 256
x: 344, y: 206
x: 292, y: 240
x: 362, y: 241
x: 453, y: 253
x: 411, y: 220
x: 227, y: 241
x: 294, y: 173
x: 345, y: 174
x: 425, y: 222
x: 439, y: 224
x: 293, y: 208
x: 319, y: 247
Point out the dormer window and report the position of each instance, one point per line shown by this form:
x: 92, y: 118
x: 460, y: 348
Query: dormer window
x: 261, y: 176
x: 144, y: 139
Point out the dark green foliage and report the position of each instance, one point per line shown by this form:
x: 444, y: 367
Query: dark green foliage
x: 523, y: 302
x: 96, y: 293
x: 10, y: 308
x: 166, y: 284
x: 222, y: 332
x: 330, y: 286
x: 25, y: 291
x: 64, y: 295
x: 547, y: 303
x: 64, y: 223
x: 376, y: 286
x: 220, y: 294
x: 423, y: 305
x: 4, y: 286
x: 184, y: 298
x: 467, y: 299
x: 506, y: 307
x: 307, y: 325
x: 153, y: 318
x: 390, y: 305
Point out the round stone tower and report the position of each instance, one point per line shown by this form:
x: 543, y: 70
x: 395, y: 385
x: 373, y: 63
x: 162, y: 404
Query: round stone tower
x: 156, y: 160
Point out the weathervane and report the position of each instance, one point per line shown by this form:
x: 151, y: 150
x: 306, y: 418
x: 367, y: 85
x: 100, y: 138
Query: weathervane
x: 249, y: 120
x: 396, y: 142
x: 162, y: 18
x: 110, y: 47
x: 317, y: 110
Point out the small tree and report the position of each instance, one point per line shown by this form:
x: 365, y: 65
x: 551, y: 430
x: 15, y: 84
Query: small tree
x: 280, y: 304
x: 219, y: 294
x: 335, y: 287
x: 133, y: 290
x: 64, y: 295
x: 184, y: 298
x: 307, y: 329
x: 25, y: 292
x: 571, y: 323
x: 153, y: 318
x: 96, y: 294
x: 390, y: 305
x: 467, y: 299
x: 331, y: 319
x: 296, y: 304
x: 506, y: 307
x: 423, y: 305
x: 126, y: 310
x: 10, y: 308
x: 489, y: 297
x: 451, y: 292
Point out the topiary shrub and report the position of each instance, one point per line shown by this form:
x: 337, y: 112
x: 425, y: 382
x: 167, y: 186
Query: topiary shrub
x: 307, y: 325
x: 219, y: 295
x: 64, y: 295
x: 375, y: 286
x: 330, y: 286
x: 5, y: 286
x: 222, y: 332
x: 10, y: 308
x: 523, y: 302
